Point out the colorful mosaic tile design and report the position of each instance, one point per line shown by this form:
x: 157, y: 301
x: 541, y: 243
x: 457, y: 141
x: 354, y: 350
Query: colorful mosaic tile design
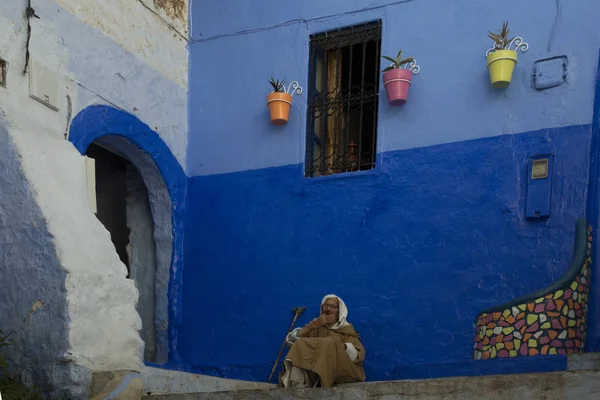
x: 553, y: 324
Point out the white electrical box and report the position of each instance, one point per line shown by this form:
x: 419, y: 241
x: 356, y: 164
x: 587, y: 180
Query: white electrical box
x: 90, y: 175
x: 43, y: 85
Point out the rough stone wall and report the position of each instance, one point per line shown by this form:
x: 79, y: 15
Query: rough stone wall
x: 33, y: 298
x: 176, y: 9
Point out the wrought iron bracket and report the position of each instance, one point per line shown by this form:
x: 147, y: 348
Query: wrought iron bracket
x: 411, y: 66
x: 518, y: 42
x: 293, y: 87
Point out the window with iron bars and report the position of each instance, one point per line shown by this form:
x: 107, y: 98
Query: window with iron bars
x: 343, y: 96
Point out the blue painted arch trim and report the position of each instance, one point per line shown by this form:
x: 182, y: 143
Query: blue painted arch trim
x: 96, y: 121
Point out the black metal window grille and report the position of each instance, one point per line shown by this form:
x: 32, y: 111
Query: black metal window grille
x: 343, y: 96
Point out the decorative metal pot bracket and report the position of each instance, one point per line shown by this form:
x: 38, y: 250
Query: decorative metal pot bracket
x: 411, y: 66
x: 293, y: 87
x: 518, y: 42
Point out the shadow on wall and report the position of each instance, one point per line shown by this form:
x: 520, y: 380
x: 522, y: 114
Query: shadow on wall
x: 33, y: 295
x: 126, y: 136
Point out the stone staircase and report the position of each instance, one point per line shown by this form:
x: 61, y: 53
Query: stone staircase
x: 581, y: 381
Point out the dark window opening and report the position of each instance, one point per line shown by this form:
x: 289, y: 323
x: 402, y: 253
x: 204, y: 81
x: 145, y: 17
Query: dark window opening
x: 343, y: 98
x: 111, y: 194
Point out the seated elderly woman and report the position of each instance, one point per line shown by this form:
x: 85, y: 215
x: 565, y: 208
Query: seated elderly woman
x: 325, y: 352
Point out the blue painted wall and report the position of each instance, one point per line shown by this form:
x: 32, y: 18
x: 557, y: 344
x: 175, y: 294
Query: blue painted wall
x: 237, y: 48
x: 593, y: 341
x: 416, y: 247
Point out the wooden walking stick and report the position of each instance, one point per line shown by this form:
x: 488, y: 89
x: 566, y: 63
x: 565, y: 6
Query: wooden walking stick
x: 298, y: 311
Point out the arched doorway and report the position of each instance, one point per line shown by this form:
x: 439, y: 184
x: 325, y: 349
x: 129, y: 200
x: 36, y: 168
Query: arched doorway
x: 124, y: 207
x: 140, y: 196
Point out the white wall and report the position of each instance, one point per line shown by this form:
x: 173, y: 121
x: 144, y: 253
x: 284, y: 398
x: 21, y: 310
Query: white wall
x: 114, y: 51
x: 131, y: 54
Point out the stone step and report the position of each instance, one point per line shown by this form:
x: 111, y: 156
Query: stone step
x: 569, y: 385
x: 580, y: 381
x: 163, y: 381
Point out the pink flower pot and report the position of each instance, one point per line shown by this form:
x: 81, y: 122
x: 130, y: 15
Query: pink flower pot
x: 397, y: 83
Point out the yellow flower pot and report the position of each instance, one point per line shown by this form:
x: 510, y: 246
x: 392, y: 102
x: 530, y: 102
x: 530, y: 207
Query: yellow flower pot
x: 501, y: 64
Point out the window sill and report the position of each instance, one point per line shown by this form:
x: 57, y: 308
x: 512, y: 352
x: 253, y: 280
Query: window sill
x: 371, y: 173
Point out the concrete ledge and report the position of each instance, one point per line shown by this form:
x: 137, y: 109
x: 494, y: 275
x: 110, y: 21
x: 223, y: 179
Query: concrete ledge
x: 586, y: 361
x: 157, y: 381
x: 576, y: 385
x: 117, y: 385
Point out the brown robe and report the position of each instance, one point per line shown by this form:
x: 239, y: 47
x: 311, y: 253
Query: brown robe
x: 323, y: 352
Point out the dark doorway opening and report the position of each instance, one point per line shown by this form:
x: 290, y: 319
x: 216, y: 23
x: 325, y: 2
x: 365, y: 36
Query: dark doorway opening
x: 111, y: 194
x: 123, y: 207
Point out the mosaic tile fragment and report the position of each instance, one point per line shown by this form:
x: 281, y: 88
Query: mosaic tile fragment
x: 552, y: 324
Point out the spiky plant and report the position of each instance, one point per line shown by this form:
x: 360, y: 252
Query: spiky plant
x: 501, y: 40
x: 398, y: 62
x: 278, y: 86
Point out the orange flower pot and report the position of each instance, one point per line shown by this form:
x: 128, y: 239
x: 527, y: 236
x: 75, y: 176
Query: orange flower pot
x: 279, y: 105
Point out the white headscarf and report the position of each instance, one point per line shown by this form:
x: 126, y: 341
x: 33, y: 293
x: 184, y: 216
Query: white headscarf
x: 343, y: 312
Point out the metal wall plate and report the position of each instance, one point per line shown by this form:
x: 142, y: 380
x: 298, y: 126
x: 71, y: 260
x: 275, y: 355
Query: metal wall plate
x: 43, y: 85
x: 549, y: 72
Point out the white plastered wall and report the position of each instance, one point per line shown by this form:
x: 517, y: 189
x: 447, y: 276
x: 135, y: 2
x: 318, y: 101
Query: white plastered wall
x: 115, y: 52
x: 104, y: 324
x: 119, y: 53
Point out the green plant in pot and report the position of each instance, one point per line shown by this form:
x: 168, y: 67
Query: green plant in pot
x: 397, y: 78
x: 501, y: 60
x: 277, y: 85
x: 279, y: 101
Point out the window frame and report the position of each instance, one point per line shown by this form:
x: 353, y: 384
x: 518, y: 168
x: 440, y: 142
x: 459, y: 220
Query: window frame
x: 374, y: 28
